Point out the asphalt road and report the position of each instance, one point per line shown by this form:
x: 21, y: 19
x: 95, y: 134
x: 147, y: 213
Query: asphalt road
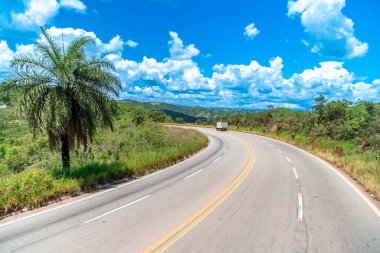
x: 243, y: 193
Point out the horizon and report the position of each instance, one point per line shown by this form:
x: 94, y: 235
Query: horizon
x: 190, y: 54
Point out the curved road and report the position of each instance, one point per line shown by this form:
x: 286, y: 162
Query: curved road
x: 243, y: 193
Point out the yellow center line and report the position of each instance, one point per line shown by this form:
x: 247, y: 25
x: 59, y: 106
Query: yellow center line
x: 170, y: 238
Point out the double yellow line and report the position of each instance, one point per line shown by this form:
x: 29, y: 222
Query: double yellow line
x: 169, y: 239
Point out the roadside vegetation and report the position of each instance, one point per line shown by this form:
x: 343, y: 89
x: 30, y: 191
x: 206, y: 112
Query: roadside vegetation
x: 31, y: 174
x: 62, y: 132
x: 330, y: 125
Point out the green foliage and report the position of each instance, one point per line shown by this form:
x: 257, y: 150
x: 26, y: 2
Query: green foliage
x: 5, y: 97
x: 127, y: 151
x: 336, y: 120
x: 179, y: 120
x: 31, y: 188
x: 64, y: 92
x: 158, y: 116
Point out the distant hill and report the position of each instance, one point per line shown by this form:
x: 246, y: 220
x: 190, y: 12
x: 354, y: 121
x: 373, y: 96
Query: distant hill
x: 188, y: 113
x: 186, y: 117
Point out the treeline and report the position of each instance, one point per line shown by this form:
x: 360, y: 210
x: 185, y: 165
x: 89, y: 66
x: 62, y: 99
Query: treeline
x: 340, y: 120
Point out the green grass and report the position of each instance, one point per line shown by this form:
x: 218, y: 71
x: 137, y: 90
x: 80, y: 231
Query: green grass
x: 31, y: 175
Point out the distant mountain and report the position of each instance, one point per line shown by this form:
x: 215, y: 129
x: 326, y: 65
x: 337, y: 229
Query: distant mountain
x: 188, y: 113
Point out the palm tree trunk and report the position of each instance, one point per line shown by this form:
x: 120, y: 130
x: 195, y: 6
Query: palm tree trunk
x: 65, y: 152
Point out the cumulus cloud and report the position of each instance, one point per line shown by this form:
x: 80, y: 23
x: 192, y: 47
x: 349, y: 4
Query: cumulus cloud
x: 38, y: 13
x: 76, y: 5
x: 330, y: 79
x: 332, y: 32
x: 251, y: 31
x: 116, y: 44
x: 178, y: 51
x: 179, y: 79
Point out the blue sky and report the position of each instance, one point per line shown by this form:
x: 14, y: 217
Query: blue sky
x: 238, y: 54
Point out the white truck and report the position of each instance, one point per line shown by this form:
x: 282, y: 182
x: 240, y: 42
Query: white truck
x: 221, y: 126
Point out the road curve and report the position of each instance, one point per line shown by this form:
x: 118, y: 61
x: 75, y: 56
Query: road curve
x: 243, y: 193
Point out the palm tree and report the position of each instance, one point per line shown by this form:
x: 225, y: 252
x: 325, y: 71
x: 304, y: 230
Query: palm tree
x: 63, y: 92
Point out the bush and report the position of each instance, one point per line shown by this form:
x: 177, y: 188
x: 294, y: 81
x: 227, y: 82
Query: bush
x: 31, y: 188
x: 179, y: 120
x: 16, y: 158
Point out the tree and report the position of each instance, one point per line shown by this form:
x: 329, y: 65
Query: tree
x: 320, y: 103
x: 158, y: 116
x: 64, y: 92
x: 179, y: 120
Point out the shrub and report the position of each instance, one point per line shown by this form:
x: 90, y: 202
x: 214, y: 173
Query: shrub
x: 31, y: 188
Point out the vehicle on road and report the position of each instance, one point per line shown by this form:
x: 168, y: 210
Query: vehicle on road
x: 221, y: 126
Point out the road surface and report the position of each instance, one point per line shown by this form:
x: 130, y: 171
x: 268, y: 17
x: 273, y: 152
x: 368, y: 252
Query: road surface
x: 243, y: 193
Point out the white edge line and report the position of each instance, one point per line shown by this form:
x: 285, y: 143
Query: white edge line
x: 217, y: 159
x: 364, y: 197
x: 189, y: 176
x: 117, y: 209
x: 295, y: 172
x: 100, y: 193
x: 300, y: 207
x: 287, y: 158
x: 53, y: 209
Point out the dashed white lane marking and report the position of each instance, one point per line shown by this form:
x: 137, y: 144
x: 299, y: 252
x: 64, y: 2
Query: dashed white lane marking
x: 365, y: 198
x: 102, y: 192
x: 189, y: 176
x: 295, y: 172
x: 117, y: 209
x: 217, y: 159
x: 279, y: 150
x: 287, y: 158
x: 300, y: 207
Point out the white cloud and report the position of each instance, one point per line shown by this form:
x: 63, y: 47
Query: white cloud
x: 131, y: 43
x: 178, y: 51
x: 179, y: 79
x: 76, y: 5
x: 330, y: 79
x: 116, y: 44
x: 251, y: 31
x: 6, y: 55
x: 22, y: 49
x: 332, y: 32
x: 37, y: 13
